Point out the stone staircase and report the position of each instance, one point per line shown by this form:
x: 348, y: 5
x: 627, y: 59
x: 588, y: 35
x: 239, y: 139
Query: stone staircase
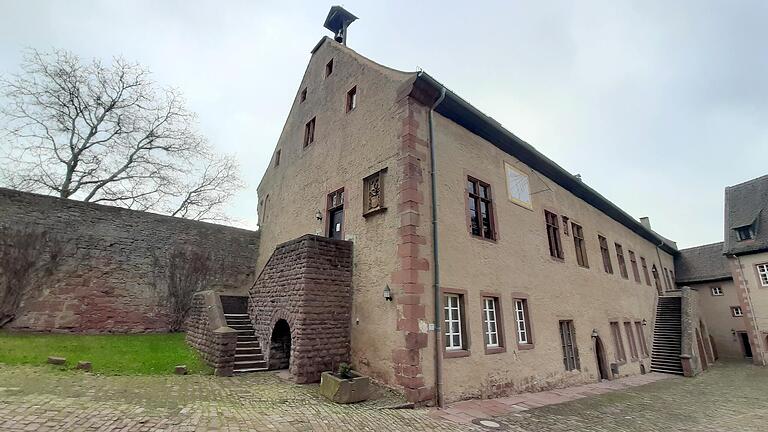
x: 248, y: 355
x: 667, y: 337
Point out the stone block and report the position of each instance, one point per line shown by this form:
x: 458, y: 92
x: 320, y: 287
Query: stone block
x: 57, y: 360
x: 84, y: 365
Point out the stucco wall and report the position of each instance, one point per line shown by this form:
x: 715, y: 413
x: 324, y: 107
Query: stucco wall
x: 348, y: 147
x: 716, y: 310
x: 519, y: 261
x: 113, y: 266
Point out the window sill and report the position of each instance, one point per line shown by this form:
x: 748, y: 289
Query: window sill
x: 372, y: 212
x: 525, y: 347
x: 455, y: 353
x: 556, y: 259
x: 495, y: 350
x: 489, y: 240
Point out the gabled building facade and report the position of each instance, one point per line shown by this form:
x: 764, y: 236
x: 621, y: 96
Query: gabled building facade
x: 480, y: 266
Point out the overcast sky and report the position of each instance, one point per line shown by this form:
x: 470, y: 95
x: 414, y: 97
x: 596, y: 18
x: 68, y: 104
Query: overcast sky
x: 657, y: 104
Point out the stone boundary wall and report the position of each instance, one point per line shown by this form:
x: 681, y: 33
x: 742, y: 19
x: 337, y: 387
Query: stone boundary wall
x: 208, y: 333
x: 308, y: 283
x: 108, y: 269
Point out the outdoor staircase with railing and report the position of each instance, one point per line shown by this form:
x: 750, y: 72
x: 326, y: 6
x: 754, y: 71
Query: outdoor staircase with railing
x: 248, y: 355
x: 667, y: 336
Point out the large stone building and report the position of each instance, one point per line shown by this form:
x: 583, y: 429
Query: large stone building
x: 479, y: 266
x: 732, y: 276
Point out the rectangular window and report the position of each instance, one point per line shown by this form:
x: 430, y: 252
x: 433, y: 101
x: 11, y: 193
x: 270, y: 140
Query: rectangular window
x: 309, y: 132
x: 453, y: 322
x: 618, y: 343
x: 329, y: 68
x: 480, y: 208
x: 518, y: 188
x: 622, y: 263
x: 631, y: 339
x: 491, y: 322
x: 373, y: 195
x: 645, y: 271
x: 277, y: 158
x: 553, y: 234
x: 716, y: 291
x: 606, y: 254
x: 762, y: 272
x: 635, y: 270
x: 666, y: 279
x: 565, y: 225
x: 736, y: 311
x: 744, y: 233
x: 352, y: 99
x: 303, y: 95
x: 521, y: 321
x: 641, y: 336
x: 568, y: 342
x: 580, y: 245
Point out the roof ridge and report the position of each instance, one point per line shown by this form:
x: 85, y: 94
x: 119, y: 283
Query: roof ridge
x: 703, y: 246
x: 754, y: 180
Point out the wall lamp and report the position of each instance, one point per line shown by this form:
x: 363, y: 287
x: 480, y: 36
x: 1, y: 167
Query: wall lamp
x: 387, y: 293
x: 594, y: 333
x: 645, y: 323
x: 318, y: 215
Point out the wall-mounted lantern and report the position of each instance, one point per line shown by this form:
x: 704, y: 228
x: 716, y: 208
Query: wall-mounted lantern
x: 387, y: 293
x: 594, y: 333
x: 645, y: 323
x: 318, y: 215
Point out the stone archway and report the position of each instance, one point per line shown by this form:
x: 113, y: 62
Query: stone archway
x: 280, y: 346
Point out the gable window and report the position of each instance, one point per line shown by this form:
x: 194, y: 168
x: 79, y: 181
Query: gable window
x: 762, y: 272
x: 491, y: 322
x: 568, y: 342
x: 352, y: 99
x: 522, y: 322
x: 309, y: 132
x: 641, y: 336
x: 480, y: 208
x: 329, y: 68
x: 303, y: 95
x: 518, y: 187
x: 716, y: 291
x: 553, y: 234
x: 618, y: 343
x: 605, y: 253
x: 580, y: 246
x: 633, y: 262
x: 736, y: 311
x: 454, y: 324
x: 631, y: 339
x: 744, y: 233
x: 373, y: 195
x: 645, y: 271
x: 622, y: 262
x: 277, y: 157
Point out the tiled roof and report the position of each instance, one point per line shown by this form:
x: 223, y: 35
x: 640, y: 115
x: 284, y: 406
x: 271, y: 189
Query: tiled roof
x: 746, y: 204
x: 701, y: 263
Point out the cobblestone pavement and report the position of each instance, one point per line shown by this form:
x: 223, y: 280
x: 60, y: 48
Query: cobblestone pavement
x: 728, y: 397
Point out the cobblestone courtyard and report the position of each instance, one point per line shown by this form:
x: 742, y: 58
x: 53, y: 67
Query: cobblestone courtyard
x: 729, y: 397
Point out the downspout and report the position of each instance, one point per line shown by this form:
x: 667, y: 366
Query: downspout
x: 661, y: 265
x: 752, y: 310
x: 435, y: 257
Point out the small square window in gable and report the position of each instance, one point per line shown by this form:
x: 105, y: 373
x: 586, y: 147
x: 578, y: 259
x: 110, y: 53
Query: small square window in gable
x: 303, y: 95
x: 518, y: 186
x: 717, y: 291
x: 329, y: 68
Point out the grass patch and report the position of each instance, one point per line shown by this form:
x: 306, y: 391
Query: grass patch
x: 139, y: 354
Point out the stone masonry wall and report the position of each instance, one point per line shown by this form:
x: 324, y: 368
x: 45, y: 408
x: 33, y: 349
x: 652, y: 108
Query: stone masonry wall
x: 113, y: 266
x: 206, y: 331
x: 308, y: 283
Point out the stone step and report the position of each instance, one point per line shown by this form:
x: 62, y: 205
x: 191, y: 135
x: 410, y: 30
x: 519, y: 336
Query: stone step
x: 248, y: 370
x: 233, y: 315
x: 241, y: 326
x: 667, y: 371
x: 248, y: 350
x: 250, y: 363
x: 249, y: 358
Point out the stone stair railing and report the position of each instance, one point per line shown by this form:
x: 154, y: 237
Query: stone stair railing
x: 208, y: 332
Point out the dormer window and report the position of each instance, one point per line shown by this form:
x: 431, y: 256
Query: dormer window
x: 745, y: 233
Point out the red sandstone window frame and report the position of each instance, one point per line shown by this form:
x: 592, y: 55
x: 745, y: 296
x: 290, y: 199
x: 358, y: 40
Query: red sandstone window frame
x: 633, y: 263
x: 631, y: 339
x: 716, y: 291
x: 501, y: 345
x: 605, y: 253
x: 761, y: 272
x: 554, y: 241
x: 330, y: 207
x: 737, y: 312
x: 580, y: 245
x: 645, y: 271
x: 466, y: 341
x: 620, y: 355
x: 351, y: 103
x: 621, y: 261
x: 309, y: 132
x: 641, y: 336
x: 571, y: 360
x: 528, y: 320
x: 475, y: 197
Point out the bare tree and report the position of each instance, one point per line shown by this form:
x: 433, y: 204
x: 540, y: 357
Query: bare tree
x: 107, y: 134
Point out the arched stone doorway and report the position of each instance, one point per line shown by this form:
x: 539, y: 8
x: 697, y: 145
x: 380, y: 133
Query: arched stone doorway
x: 603, y: 370
x: 280, y: 346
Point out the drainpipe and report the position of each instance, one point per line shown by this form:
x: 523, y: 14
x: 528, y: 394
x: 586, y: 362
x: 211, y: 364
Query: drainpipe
x: 661, y: 265
x: 756, y: 330
x: 435, y: 257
